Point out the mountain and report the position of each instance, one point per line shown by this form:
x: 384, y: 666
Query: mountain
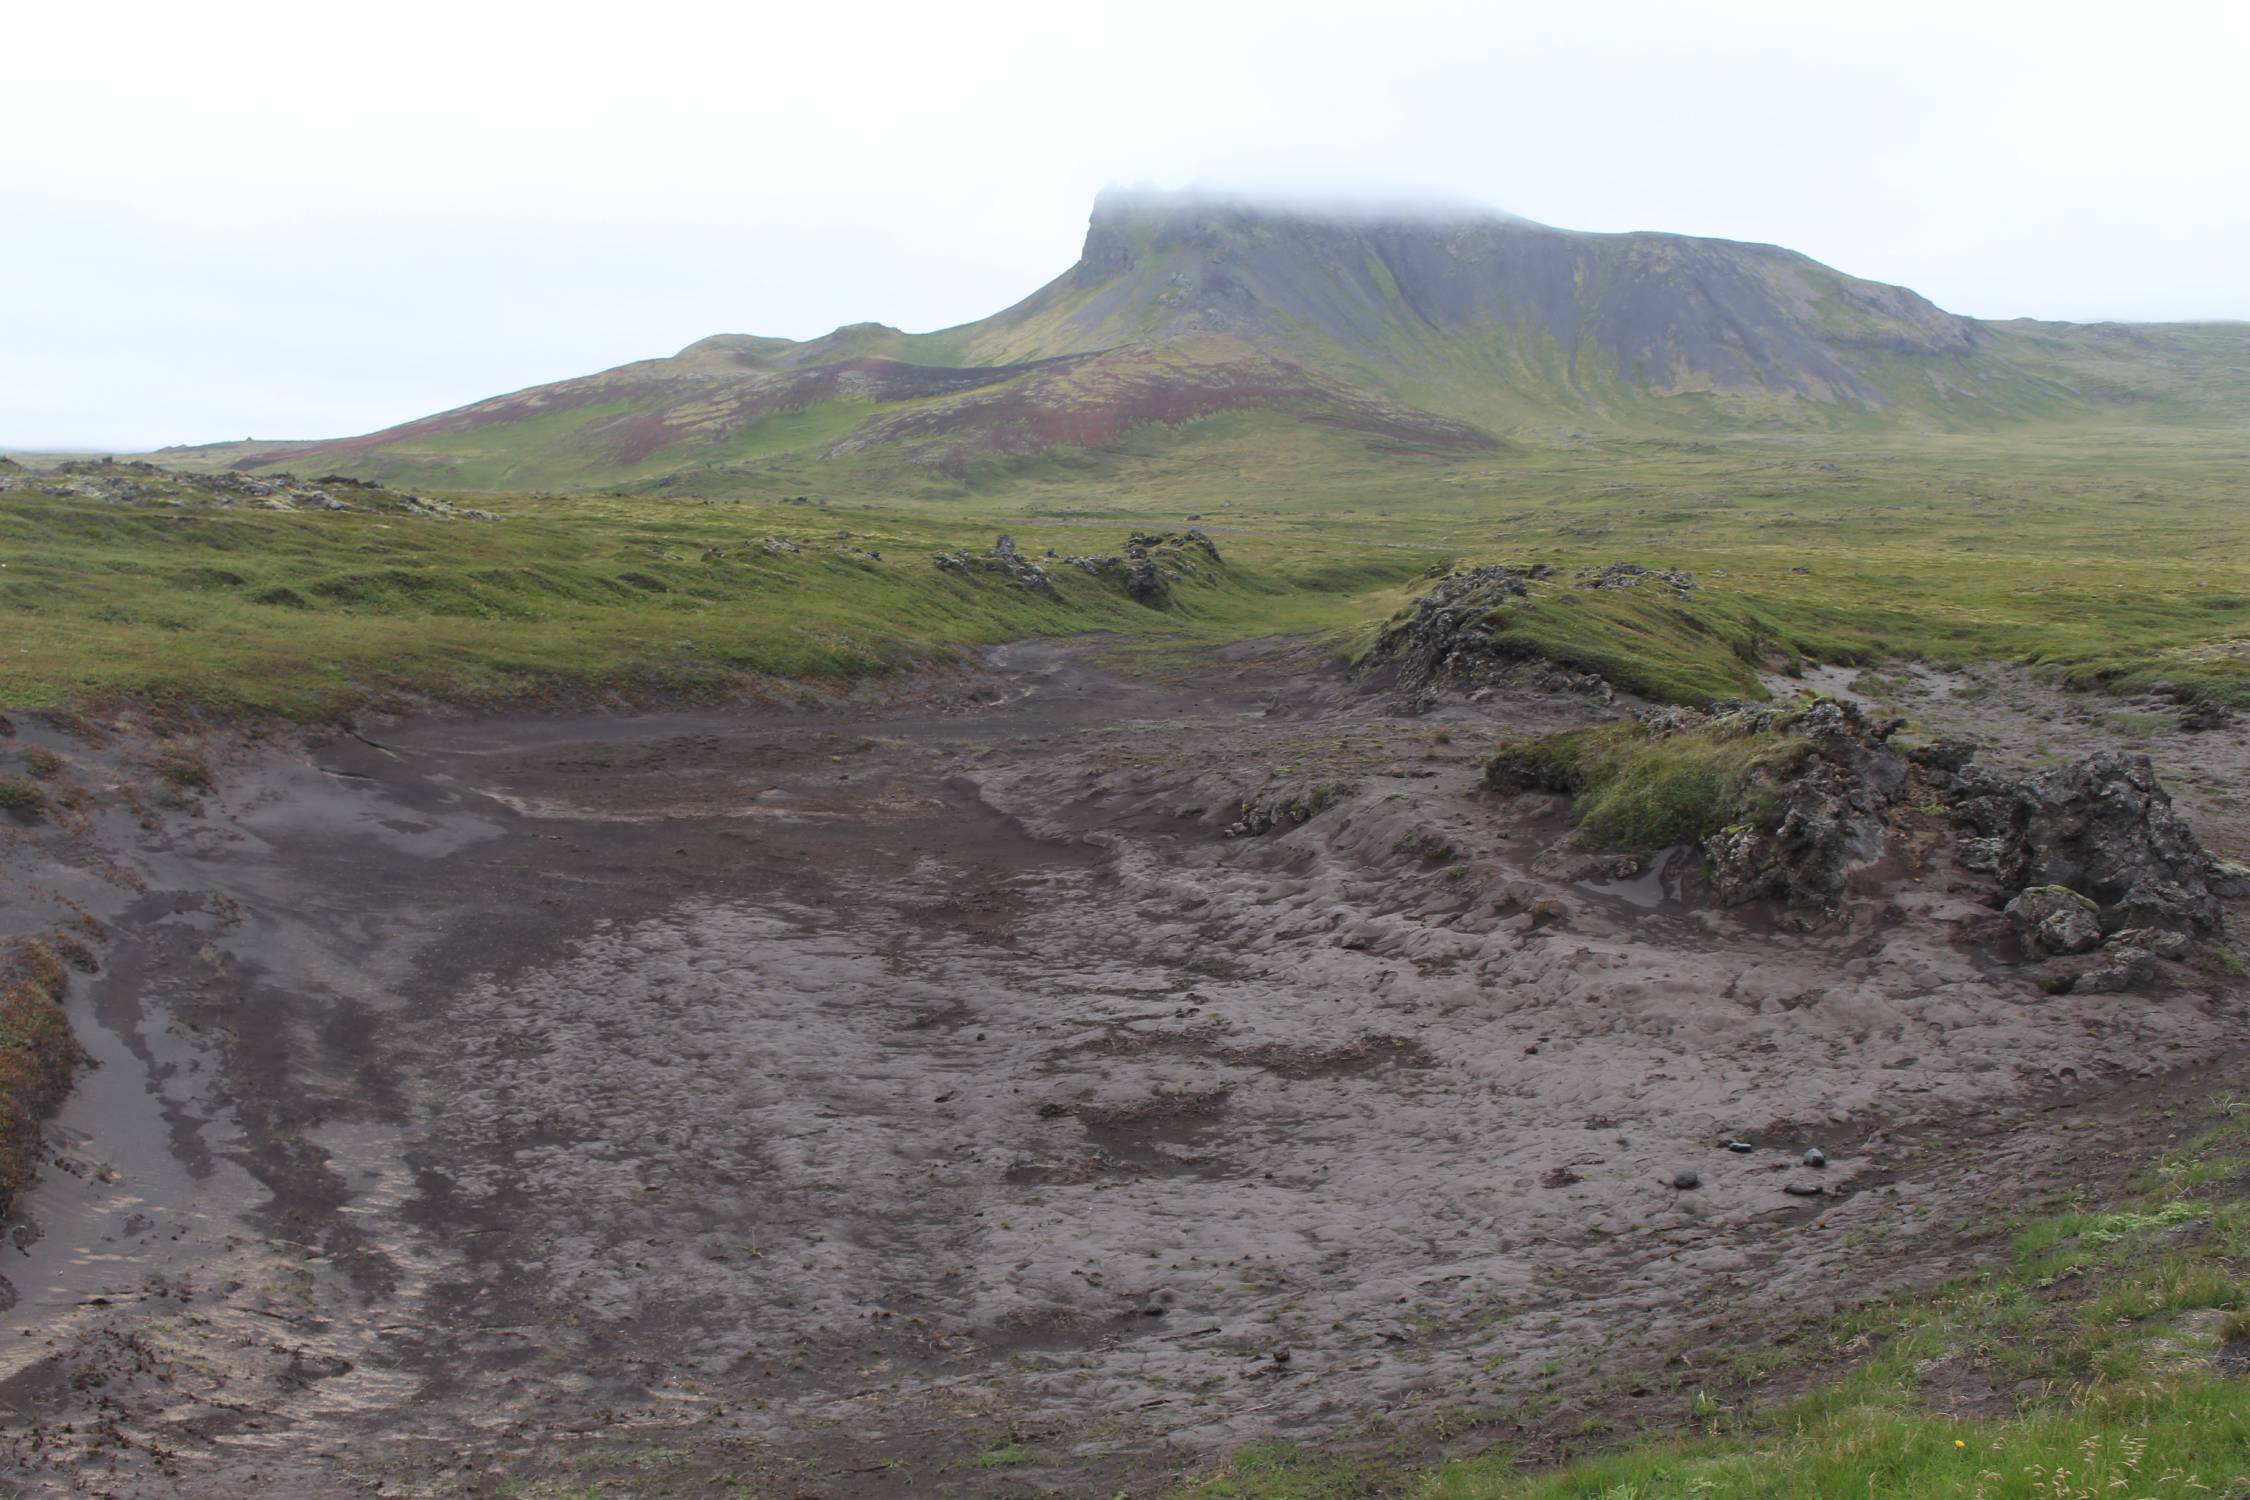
x: 1436, y: 332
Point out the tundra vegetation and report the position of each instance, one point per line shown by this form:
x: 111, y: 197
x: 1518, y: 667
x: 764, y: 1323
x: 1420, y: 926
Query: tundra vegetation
x: 2104, y: 558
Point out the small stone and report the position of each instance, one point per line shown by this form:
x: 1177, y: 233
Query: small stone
x: 1803, y: 1189
x: 1816, y: 1158
x: 1685, y: 1179
x: 1281, y: 1356
x: 1740, y: 1148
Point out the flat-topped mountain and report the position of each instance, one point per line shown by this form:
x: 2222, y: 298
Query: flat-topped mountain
x: 1432, y: 331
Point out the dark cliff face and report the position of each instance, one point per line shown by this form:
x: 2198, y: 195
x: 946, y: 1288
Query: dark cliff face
x: 1658, y: 312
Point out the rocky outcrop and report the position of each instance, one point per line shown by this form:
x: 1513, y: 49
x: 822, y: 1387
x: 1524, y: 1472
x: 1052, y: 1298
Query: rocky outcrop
x: 1153, y: 563
x: 1003, y: 560
x: 2102, y: 827
x: 1450, y: 636
x: 2093, y: 860
x: 1827, y: 816
x: 1799, y: 792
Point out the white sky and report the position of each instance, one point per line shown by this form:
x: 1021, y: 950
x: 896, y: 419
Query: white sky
x: 296, y: 220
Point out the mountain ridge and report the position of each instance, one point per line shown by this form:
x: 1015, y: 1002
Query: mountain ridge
x: 1440, y: 331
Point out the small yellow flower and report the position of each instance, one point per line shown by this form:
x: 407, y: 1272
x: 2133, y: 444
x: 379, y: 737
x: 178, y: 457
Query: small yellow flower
x: 1959, y: 1444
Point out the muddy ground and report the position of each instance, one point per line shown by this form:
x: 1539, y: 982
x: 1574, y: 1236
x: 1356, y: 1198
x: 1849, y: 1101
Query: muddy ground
x: 971, y: 1094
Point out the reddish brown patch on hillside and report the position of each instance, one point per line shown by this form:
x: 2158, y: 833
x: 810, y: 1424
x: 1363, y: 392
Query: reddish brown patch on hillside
x: 1096, y: 400
x: 1012, y: 410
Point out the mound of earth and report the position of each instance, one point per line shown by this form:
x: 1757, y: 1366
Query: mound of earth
x: 1451, y: 637
x: 1151, y: 565
x: 137, y: 482
x: 1792, y: 799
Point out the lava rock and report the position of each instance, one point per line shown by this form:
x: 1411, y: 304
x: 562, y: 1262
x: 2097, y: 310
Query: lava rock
x: 1686, y: 1179
x: 2103, y: 827
x: 1830, y: 808
x: 2126, y: 969
x: 2173, y: 945
x: 2054, y: 919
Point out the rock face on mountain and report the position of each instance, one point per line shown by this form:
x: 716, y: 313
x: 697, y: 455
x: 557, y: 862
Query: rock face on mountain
x: 1434, y: 333
x: 1603, y: 312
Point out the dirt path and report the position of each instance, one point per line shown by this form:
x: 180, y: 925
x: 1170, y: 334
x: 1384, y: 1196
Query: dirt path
x: 819, y: 1101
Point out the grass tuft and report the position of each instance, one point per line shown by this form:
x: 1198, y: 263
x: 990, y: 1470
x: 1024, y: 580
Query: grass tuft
x: 1635, y: 789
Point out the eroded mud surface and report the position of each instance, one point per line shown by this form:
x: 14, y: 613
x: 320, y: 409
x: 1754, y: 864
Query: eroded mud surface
x: 825, y: 1101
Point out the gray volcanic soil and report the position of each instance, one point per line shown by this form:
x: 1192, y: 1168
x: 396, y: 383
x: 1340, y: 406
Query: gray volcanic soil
x: 823, y: 1100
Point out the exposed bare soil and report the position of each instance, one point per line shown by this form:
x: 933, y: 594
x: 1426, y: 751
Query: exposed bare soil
x: 933, y: 1094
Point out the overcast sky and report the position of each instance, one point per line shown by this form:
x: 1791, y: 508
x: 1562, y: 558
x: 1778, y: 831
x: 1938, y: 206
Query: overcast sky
x: 292, y: 220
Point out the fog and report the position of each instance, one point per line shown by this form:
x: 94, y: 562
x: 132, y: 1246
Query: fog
x: 288, y: 221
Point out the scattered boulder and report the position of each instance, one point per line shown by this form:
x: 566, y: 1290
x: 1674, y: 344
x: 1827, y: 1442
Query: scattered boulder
x: 2054, y: 919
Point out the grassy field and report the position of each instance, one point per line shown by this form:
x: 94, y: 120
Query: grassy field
x: 313, y: 614
x: 2107, y: 557
x: 2126, y: 1325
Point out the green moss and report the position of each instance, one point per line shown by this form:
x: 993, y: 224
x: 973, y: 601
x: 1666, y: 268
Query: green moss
x: 38, y: 1054
x: 1007, y: 1456
x: 21, y: 796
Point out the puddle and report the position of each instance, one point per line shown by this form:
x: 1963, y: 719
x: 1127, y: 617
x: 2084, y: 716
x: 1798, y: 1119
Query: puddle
x: 1656, y: 888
